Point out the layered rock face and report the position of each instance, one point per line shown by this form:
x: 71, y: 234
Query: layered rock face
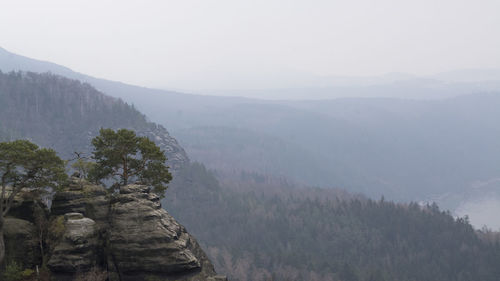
x: 77, y: 250
x: 176, y: 156
x: 21, y: 242
x: 128, y: 235
x: 21, y: 231
x: 80, y: 196
x: 146, y: 241
x: 23, y: 206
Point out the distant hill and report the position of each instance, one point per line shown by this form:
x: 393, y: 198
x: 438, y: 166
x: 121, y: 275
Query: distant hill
x: 403, y: 149
x: 425, y: 150
x: 469, y: 75
x: 66, y: 114
x: 256, y: 227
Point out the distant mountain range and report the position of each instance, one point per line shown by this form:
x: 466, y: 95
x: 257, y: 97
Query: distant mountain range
x: 391, y: 85
x: 404, y: 149
x: 253, y: 222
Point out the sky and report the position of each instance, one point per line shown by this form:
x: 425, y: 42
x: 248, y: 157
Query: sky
x: 232, y: 44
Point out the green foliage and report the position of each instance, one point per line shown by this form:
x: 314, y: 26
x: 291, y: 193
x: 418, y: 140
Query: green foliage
x: 83, y: 167
x: 124, y: 156
x: 55, y: 232
x: 14, y: 272
x: 56, y: 229
x: 61, y: 113
x: 27, y: 272
x: 24, y: 164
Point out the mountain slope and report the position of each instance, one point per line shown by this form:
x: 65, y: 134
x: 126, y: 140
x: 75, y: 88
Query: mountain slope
x: 65, y: 115
x: 257, y: 228
x: 420, y: 150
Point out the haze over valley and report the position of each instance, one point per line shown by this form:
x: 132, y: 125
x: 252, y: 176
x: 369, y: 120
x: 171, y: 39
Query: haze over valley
x: 438, y: 149
x: 307, y: 141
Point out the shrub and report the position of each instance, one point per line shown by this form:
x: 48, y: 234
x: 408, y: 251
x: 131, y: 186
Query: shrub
x: 14, y: 272
x: 57, y: 228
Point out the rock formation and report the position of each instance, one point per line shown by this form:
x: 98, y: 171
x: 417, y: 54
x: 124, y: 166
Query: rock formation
x: 22, y: 244
x: 92, y: 201
x: 20, y: 230
x: 78, y: 247
x: 144, y: 238
x: 176, y: 156
x: 128, y: 235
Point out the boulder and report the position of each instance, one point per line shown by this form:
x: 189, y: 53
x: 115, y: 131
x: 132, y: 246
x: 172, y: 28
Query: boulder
x: 145, y: 241
x: 21, y: 233
x: 85, y: 198
x: 77, y: 249
x: 21, y: 242
x: 25, y: 203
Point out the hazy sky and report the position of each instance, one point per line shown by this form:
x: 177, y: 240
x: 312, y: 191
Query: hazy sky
x: 192, y: 44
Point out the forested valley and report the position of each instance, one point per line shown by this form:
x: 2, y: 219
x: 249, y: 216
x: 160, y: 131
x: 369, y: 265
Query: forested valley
x: 257, y: 227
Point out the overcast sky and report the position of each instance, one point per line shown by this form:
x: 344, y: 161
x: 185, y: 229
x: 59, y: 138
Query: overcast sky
x: 193, y: 44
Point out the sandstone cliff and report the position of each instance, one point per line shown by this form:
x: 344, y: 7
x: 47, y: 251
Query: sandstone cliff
x: 127, y: 235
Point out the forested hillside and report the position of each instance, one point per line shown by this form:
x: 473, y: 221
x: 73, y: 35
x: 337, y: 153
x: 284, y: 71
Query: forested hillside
x: 406, y: 149
x: 66, y: 114
x: 255, y: 228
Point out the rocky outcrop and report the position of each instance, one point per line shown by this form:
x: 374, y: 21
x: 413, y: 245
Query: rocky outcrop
x: 92, y: 201
x: 22, y: 228
x: 22, y: 243
x: 127, y: 234
x: 176, y: 156
x: 77, y: 249
x: 27, y: 205
x: 145, y: 241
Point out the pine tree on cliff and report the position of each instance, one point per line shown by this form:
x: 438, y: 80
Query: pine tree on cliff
x: 125, y: 157
x: 24, y: 165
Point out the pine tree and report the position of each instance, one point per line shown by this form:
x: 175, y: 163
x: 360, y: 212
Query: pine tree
x: 24, y: 165
x: 126, y: 157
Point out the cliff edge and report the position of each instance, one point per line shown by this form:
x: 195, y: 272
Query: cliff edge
x: 126, y: 236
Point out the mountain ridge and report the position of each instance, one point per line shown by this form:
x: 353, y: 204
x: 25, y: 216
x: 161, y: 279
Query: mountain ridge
x: 289, y: 232
x: 21, y: 91
x: 338, y: 125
